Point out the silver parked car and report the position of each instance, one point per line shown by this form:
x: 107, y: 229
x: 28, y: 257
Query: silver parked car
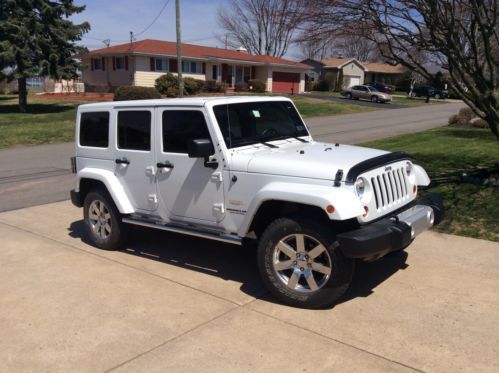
x: 367, y: 93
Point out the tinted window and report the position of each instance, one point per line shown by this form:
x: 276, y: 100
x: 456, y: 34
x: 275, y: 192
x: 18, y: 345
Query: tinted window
x: 134, y: 130
x: 94, y: 129
x: 181, y: 126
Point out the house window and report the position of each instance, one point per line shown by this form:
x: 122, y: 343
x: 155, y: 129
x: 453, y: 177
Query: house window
x: 97, y: 63
x: 192, y: 67
x: 120, y: 63
x: 247, y: 74
x: 214, y: 74
x: 161, y: 64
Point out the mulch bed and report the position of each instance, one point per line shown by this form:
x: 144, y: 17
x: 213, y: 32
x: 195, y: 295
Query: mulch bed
x: 78, y: 97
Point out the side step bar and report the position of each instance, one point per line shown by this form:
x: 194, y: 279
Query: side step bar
x: 211, y: 235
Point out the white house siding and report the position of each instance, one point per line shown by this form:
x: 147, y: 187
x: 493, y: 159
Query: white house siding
x: 144, y: 77
x: 352, y: 70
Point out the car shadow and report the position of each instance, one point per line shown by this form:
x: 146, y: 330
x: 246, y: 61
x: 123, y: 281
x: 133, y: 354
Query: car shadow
x: 236, y: 263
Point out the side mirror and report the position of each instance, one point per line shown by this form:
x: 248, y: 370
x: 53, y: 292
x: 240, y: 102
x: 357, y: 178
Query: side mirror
x: 200, y: 148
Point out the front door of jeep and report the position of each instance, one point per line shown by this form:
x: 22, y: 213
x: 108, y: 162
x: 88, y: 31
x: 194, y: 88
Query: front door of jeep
x: 188, y: 189
x: 134, y: 156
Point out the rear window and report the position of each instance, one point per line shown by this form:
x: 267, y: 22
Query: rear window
x: 94, y: 129
x: 134, y: 130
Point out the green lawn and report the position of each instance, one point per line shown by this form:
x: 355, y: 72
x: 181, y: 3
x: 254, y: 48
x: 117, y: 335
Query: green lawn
x: 445, y: 153
x: 47, y: 121
x: 312, y: 107
x: 50, y: 121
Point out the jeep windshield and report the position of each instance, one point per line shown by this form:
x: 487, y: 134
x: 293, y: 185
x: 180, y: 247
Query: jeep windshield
x: 258, y: 122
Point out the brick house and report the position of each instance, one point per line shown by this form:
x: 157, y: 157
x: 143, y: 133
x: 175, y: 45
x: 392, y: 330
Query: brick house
x: 140, y: 63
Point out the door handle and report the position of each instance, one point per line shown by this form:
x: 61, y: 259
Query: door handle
x: 122, y: 161
x: 165, y: 164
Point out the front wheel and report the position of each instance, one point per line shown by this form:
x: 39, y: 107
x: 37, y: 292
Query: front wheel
x: 103, y: 221
x: 348, y: 96
x: 374, y: 99
x: 301, y: 265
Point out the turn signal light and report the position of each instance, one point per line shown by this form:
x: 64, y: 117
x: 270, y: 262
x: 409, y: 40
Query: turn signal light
x: 366, y: 212
x: 330, y: 209
x: 414, y: 189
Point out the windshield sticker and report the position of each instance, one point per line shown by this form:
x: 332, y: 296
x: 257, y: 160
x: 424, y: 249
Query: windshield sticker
x: 256, y: 113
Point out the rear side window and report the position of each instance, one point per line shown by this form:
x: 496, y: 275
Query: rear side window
x: 134, y: 130
x: 181, y: 126
x: 94, y: 129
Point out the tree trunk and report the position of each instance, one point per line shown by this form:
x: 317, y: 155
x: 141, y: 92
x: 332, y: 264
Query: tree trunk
x: 23, y: 94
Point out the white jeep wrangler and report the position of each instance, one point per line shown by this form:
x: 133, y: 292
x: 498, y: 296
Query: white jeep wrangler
x: 245, y: 169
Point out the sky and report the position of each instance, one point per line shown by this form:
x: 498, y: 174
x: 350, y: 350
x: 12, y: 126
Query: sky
x: 114, y: 19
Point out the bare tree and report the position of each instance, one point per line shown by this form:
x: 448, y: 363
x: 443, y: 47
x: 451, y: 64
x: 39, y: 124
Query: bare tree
x: 462, y: 35
x: 315, y: 48
x: 356, y: 46
x: 261, y: 26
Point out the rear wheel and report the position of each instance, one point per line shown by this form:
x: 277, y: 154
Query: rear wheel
x: 349, y: 96
x: 437, y: 95
x: 374, y: 99
x: 301, y: 265
x: 105, y: 229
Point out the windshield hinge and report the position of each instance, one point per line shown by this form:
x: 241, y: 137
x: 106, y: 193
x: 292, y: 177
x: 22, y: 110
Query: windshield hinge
x: 338, y: 177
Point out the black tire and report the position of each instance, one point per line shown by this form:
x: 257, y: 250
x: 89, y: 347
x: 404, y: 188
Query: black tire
x: 118, y: 232
x: 327, y: 294
x: 374, y: 99
x: 437, y: 96
x: 349, y: 96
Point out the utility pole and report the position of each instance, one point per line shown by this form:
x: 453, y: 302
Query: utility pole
x: 179, y: 51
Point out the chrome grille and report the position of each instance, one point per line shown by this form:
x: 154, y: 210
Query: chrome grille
x: 390, y: 188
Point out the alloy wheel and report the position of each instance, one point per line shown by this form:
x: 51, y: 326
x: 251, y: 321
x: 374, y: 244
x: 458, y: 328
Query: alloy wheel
x: 302, y: 263
x: 99, y: 218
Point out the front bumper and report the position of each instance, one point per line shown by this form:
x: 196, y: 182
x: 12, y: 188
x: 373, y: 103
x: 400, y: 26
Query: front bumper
x: 394, y: 232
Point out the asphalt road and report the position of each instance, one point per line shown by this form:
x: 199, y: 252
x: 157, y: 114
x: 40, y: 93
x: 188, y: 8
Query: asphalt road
x: 38, y: 175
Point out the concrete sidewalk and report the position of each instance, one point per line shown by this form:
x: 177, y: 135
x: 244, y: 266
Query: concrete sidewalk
x: 172, y: 303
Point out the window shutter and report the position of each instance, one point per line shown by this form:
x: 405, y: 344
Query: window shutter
x: 92, y: 64
x: 173, y: 66
x: 203, y: 69
x: 126, y: 63
x: 152, y: 64
x: 114, y: 63
x: 103, y: 64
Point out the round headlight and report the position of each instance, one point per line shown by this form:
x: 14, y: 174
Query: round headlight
x: 408, y: 168
x: 360, y: 187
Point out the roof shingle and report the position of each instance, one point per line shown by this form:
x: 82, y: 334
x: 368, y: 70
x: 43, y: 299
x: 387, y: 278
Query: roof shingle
x: 168, y: 48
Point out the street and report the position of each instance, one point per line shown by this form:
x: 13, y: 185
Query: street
x: 41, y: 174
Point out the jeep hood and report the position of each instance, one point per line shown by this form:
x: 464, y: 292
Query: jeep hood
x: 309, y: 160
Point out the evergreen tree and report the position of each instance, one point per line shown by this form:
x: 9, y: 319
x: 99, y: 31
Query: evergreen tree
x: 38, y: 39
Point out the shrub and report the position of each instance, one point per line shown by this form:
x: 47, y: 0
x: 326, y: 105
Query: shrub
x: 214, y: 86
x: 466, y: 113
x: 241, y: 87
x: 193, y: 86
x: 458, y: 120
x: 168, y: 85
x: 321, y: 85
x: 479, y: 123
x: 165, y: 82
x: 135, y: 93
x: 257, y: 85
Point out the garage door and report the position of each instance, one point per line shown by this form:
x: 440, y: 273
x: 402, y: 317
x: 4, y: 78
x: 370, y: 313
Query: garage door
x: 352, y: 80
x: 285, y: 82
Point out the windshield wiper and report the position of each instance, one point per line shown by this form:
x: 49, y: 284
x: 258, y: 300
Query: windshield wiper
x: 282, y: 137
x: 253, y: 141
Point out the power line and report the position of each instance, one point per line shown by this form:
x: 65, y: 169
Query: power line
x: 154, y: 20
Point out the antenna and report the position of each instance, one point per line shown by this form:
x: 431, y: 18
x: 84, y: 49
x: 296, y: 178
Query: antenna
x: 107, y: 42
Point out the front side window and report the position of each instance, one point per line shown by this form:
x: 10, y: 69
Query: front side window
x: 120, y: 63
x: 94, y: 129
x: 97, y: 63
x: 161, y: 64
x: 134, y: 130
x: 253, y: 122
x: 182, y: 126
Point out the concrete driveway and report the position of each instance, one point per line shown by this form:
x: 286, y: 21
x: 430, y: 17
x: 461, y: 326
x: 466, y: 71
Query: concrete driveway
x: 171, y: 303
